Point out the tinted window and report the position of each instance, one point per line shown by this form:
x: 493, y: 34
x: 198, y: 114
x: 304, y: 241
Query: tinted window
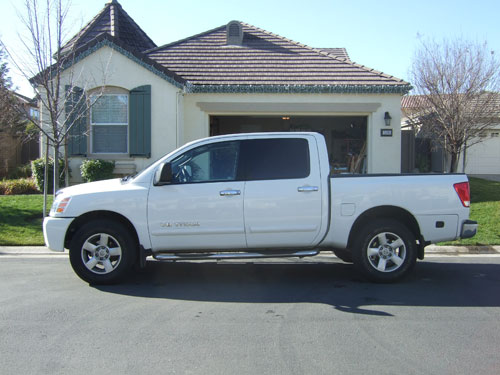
x: 208, y: 163
x: 271, y: 159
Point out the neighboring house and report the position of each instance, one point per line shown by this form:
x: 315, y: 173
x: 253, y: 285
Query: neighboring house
x: 231, y: 79
x: 15, y: 149
x: 480, y: 158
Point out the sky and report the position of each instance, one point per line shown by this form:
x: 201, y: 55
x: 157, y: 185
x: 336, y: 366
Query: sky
x: 382, y: 34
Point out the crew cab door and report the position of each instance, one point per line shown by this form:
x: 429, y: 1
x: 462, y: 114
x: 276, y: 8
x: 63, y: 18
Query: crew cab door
x: 202, y: 207
x: 283, y: 198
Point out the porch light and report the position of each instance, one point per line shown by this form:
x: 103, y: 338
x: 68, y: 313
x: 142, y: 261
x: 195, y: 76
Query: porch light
x: 285, y: 118
x: 387, y: 119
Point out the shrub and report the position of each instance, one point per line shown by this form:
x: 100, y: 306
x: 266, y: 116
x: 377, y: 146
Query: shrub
x: 23, y: 171
x: 38, y: 168
x: 97, y: 169
x: 19, y: 186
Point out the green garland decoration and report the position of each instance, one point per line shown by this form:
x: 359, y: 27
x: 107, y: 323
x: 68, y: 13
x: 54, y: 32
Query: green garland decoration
x: 301, y: 89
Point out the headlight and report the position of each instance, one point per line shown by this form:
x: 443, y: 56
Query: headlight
x: 59, y: 206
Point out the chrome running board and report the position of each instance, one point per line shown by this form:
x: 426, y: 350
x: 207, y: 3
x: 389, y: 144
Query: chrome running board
x: 242, y: 255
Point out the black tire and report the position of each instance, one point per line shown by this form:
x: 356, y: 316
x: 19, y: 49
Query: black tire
x: 102, y: 252
x: 385, y: 251
x: 343, y: 254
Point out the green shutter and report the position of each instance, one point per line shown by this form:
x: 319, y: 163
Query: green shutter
x: 76, y: 119
x: 140, y: 121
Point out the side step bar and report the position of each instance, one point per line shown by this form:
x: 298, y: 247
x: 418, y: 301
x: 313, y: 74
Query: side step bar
x: 217, y: 256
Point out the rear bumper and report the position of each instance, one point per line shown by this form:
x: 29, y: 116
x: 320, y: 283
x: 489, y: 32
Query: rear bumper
x: 469, y: 229
x: 54, y: 232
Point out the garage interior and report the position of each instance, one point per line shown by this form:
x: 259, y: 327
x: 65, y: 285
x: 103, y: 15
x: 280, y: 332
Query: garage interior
x: 345, y: 135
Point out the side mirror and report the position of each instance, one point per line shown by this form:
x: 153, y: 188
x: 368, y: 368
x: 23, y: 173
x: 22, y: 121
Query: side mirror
x: 163, y: 175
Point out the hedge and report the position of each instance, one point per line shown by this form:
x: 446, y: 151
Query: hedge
x: 18, y: 187
x: 38, y: 168
x: 97, y: 169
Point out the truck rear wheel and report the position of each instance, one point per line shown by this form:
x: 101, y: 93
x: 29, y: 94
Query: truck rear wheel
x: 385, y: 251
x: 102, y: 252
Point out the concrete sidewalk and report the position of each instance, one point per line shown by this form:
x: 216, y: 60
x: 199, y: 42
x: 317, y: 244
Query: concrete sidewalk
x: 431, y: 249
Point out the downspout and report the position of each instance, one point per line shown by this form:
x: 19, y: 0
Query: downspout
x: 179, y: 95
x: 177, y: 98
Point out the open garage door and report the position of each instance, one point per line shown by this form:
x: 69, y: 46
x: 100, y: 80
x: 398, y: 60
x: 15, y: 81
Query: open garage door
x: 345, y: 135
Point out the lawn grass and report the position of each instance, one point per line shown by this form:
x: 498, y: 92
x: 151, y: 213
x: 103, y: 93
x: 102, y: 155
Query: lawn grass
x: 21, y: 216
x: 485, y: 209
x: 21, y: 219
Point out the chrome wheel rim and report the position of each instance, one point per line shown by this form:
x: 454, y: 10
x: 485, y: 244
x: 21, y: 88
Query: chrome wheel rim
x: 386, y: 252
x: 101, y: 253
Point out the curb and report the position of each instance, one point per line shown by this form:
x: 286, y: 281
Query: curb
x: 28, y: 250
x: 431, y: 249
x: 459, y: 250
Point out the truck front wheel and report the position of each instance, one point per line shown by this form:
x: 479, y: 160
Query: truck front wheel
x: 102, y: 252
x: 385, y: 251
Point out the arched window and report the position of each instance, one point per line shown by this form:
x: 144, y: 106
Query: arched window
x: 109, y: 122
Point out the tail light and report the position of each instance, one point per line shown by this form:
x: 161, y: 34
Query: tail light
x: 463, y: 192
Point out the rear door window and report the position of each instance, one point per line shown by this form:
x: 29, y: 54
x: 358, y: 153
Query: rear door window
x: 273, y: 159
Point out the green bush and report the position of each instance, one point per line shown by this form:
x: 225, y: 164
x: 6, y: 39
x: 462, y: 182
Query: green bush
x: 23, y: 171
x: 19, y: 186
x: 97, y: 169
x: 38, y: 168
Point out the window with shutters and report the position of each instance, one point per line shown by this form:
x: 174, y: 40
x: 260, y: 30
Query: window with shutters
x: 109, y: 123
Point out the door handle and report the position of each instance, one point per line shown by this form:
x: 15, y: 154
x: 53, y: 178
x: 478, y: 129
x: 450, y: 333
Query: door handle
x: 225, y: 193
x: 307, y: 189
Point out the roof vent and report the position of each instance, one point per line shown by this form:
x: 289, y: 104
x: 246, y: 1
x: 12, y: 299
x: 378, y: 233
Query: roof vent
x: 234, y: 34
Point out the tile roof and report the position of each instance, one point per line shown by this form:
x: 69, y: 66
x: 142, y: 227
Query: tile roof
x: 414, y: 101
x: 112, y: 20
x: 486, y: 102
x: 263, y: 58
x: 259, y: 62
x: 337, y: 52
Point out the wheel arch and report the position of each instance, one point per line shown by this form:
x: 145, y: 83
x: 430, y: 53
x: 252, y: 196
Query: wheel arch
x: 99, y: 215
x: 393, y: 213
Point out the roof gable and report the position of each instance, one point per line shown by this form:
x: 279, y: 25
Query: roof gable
x: 112, y: 20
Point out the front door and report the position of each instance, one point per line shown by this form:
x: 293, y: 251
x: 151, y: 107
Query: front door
x: 203, y: 207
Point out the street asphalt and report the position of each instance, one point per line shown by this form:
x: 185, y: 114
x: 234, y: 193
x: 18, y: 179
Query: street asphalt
x: 429, y: 250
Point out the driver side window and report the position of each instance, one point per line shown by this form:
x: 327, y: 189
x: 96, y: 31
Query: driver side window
x: 208, y: 163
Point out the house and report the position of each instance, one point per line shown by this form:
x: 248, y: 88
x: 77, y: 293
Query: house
x: 481, y: 158
x: 148, y: 99
x: 15, y: 148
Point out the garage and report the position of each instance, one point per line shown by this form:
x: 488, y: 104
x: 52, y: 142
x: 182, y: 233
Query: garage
x: 345, y: 135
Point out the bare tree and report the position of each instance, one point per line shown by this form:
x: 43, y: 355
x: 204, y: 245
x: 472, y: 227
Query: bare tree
x: 457, y: 82
x: 49, y: 66
x: 11, y: 120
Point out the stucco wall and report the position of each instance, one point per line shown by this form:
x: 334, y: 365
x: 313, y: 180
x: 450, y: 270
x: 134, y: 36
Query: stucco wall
x: 107, y: 67
x: 383, y: 154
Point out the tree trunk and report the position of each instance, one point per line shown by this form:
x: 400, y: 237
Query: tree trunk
x: 454, y: 162
x: 56, y: 169
x: 46, y: 178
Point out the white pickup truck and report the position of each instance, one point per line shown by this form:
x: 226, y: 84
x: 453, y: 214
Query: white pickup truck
x: 252, y: 196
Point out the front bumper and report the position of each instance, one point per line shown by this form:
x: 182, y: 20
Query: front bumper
x: 469, y: 229
x: 54, y: 232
